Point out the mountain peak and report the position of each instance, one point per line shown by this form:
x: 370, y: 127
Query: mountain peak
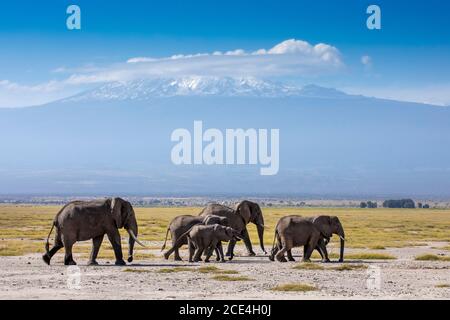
x: 146, y: 89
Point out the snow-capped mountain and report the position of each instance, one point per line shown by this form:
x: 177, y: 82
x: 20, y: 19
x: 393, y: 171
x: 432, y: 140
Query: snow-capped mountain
x: 201, y: 86
x: 117, y: 139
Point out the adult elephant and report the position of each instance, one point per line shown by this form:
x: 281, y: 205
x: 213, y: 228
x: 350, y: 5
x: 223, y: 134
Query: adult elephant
x: 294, y: 231
x: 245, y: 212
x: 181, y: 224
x: 84, y: 220
x: 327, y: 225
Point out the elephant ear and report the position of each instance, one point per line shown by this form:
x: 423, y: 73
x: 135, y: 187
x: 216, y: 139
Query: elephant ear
x: 323, y: 223
x: 117, y: 208
x: 243, y: 209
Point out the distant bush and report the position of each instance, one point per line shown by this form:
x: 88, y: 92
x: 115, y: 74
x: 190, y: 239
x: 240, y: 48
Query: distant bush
x: 404, y: 203
x: 371, y: 204
x: 426, y: 206
x: 368, y: 204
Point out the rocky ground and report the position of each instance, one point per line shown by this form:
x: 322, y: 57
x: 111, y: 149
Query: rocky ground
x: 27, y: 277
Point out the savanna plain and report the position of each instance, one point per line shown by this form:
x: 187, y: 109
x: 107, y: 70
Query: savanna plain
x: 389, y: 254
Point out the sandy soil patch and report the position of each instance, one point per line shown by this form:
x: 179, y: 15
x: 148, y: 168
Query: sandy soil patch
x: 27, y: 277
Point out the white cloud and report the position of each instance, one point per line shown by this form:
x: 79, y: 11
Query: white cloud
x: 288, y: 58
x: 366, y: 60
x: 13, y: 94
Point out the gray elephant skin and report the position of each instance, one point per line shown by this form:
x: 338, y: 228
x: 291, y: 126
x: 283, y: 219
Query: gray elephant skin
x: 205, y: 238
x: 291, y: 230
x: 294, y: 231
x: 181, y: 224
x: 245, y: 212
x: 328, y: 225
x: 85, y: 220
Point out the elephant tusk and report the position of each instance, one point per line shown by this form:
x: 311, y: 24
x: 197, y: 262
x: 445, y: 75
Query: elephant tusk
x: 342, y: 238
x: 136, y: 239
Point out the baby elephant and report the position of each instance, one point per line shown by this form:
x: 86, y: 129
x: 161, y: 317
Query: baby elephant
x: 294, y: 231
x: 181, y: 224
x: 205, y: 238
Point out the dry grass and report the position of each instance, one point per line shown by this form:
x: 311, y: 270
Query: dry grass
x: 377, y: 247
x: 370, y: 256
x: 365, y: 228
x: 308, y: 266
x: 224, y: 277
x: 432, y: 257
x: 342, y: 267
x: 215, y: 270
x: 136, y: 270
x: 295, y: 287
x: 175, y: 269
x: 349, y: 267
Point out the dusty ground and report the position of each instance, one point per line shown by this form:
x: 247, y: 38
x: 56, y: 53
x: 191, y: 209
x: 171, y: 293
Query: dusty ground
x: 27, y: 277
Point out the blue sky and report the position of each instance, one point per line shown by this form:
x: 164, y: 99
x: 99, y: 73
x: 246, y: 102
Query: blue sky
x: 408, y: 59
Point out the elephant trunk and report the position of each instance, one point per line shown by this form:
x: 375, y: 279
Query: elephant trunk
x: 341, y: 254
x: 260, y: 229
x: 133, y: 233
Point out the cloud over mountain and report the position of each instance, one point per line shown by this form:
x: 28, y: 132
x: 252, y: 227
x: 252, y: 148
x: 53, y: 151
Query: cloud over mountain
x: 290, y: 57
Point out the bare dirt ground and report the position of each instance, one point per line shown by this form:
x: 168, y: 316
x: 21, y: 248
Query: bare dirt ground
x: 27, y: 277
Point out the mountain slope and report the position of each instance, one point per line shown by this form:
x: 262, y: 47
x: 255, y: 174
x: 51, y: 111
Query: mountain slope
x: 330, y: 144
x: 200, y: 86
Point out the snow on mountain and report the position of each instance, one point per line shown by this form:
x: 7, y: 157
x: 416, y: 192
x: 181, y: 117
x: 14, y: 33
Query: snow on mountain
x: 201, y: 86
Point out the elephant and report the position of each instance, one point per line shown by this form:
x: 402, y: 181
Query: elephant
x: 84, y: 220
x: 205, y: 238
x: 245, y: 212
x: 179, y: 225
x: 328, y: 225
x: 293, y: 231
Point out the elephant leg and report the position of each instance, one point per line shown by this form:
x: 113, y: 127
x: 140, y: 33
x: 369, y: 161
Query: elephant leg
x: 198, y: 253
x: 280, y: 255
x: 308, y: 249
x: 248, y: 243
x: 56, y: 247
x: 176, y: 250
x: 209, y: 250
x: 322, y: 247
x: 216, y: 250
x: 285, y: 247
x: 219, y: 250
x: 114, y: 238
x: 289, y: 255
x: 96, y: 243
x: 274, y: 250
x: 68, y: 258
x: 230, y: 251
x: 173, y: 249
x: 191, y: 250
x: 306, y: 253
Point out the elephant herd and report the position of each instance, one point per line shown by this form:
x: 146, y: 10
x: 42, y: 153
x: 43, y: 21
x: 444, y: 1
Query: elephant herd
x: 204, y: 234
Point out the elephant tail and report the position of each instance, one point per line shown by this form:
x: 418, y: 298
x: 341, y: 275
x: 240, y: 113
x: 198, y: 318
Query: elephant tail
x: 275, y: 236
x: 47, y: 243
x: 181, y: 238
x: 177, y: 243
x: 165, y: 240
